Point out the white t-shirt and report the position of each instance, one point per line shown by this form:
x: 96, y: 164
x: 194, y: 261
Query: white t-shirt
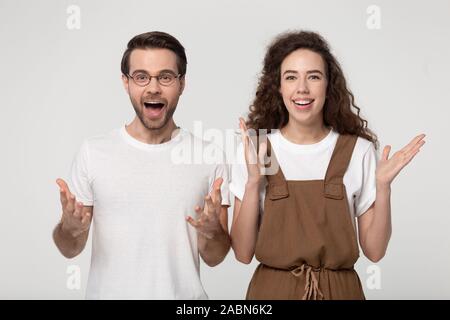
x: 310, y: 162
x: 142, y: 246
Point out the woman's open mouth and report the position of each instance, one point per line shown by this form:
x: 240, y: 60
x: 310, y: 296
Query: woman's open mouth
x: 303, y: 104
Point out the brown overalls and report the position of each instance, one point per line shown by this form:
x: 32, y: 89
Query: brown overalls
x: 307, y: 243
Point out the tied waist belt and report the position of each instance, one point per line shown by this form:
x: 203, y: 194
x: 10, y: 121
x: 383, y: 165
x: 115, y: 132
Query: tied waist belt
x: 312, y: 290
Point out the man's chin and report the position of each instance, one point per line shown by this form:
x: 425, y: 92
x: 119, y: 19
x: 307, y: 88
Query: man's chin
x: 155, y: 124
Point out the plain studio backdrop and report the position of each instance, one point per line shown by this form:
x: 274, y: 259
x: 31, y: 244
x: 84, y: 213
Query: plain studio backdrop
x: 61, y: 83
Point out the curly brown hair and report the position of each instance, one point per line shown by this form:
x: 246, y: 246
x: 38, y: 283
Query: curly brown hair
x: 268, y: 110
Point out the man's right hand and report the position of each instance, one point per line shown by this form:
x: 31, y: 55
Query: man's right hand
x: 76, y: 218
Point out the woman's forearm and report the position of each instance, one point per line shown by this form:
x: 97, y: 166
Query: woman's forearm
x: 380, y: 229
x: 245, y: 227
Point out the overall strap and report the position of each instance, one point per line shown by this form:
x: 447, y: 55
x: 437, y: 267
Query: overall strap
x: 340, y: 159
x: 277, y: 185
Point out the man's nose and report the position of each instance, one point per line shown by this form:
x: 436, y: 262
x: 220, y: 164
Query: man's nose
x: 153, y: 86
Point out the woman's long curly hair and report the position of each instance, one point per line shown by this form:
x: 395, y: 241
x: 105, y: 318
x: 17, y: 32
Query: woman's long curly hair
x: 268, y: 110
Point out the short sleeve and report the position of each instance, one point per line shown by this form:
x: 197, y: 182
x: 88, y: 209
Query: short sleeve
x: 239, y: 173
x: 367, y: 194
x: 80, y: 183
x: 222, y: 170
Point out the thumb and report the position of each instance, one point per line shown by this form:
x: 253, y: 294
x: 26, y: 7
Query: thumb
x: 386, y: 151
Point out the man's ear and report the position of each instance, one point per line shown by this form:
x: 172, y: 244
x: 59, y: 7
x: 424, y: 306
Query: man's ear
x: 125, y: 82
x: 182, y: 84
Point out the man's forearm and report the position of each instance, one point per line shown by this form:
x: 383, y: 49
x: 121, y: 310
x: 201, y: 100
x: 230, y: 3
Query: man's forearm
x: 214, y: 250
x: 69, y: 245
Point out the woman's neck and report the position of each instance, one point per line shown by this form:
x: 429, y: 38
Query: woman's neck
x: 301, y: 134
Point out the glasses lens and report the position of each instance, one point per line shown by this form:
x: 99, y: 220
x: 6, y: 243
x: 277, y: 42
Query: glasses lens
x: 166, y: 78
x: 141, y: 78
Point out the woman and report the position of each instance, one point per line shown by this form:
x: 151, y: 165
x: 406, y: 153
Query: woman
x: 300, y: 219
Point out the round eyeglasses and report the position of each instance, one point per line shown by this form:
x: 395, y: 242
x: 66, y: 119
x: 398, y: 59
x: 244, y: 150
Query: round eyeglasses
x: 143, y: 79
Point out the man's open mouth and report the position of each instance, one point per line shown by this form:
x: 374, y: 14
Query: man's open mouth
x: 154, y: 105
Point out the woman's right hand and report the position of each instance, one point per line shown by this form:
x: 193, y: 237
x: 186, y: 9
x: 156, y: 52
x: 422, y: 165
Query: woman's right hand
x: 255, y: 164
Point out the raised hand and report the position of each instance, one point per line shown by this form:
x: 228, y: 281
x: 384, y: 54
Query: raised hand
x: 208, y: 218
x: 255, y: 163
x: 75, y: 220
x: 389, y: 168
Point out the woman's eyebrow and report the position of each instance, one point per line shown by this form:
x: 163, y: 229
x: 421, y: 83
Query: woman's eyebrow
x: 307, y: 72
x: 314, y: 71
x: 290, y: 71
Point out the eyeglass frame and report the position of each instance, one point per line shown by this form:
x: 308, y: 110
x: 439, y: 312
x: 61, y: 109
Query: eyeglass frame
x: 157, y: 78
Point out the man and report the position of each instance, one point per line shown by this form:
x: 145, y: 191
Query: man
x: 145, y: 243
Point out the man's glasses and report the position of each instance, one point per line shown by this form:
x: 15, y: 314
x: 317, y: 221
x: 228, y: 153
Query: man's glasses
x: 143, y: 79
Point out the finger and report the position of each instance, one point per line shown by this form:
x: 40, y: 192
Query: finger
x: 411, y: 155
x: 63, y: 185
x: 386, y: 151
x: 198, y: 210
x: 78, y: 210
x: 262, y: 152
x: 242, y: 122
x: 191, y: 221
x: 415, y: 148
x: 245, y: 138
x: 209, y: 205
x: 413, y: 142
x: 62, y: 197
x: 216, y: 195
x: 70, y: 207
x: 86, y: 218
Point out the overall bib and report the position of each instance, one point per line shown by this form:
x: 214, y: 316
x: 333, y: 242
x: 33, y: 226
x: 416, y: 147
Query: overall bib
x: 306, y: 243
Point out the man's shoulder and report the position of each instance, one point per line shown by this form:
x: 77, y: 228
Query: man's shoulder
x: 102, y: 139
x: 211, y: 150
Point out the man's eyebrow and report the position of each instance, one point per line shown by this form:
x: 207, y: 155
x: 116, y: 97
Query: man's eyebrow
x: 161, y: 71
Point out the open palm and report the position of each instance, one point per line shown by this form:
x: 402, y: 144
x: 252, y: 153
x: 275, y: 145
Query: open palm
x: 389, y: 168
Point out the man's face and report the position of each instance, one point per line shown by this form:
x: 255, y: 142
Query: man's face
x: 154, y: 103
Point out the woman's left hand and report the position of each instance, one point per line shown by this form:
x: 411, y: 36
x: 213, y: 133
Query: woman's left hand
x: 388, y: 169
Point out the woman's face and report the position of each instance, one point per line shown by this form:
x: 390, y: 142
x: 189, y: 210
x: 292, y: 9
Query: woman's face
x: 303, y: 86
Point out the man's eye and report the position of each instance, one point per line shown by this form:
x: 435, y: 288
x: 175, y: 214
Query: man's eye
x: 314, y: 77
x: 290, y: 78
x: 165, y: 77
x: 141, y: 77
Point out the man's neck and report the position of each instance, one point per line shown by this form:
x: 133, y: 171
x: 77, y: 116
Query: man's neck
x: 151, y: 136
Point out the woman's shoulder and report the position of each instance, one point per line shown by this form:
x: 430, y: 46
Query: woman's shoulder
x: 364, y: 146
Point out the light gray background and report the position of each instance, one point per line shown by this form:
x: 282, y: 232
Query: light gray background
x: 59, y: 86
